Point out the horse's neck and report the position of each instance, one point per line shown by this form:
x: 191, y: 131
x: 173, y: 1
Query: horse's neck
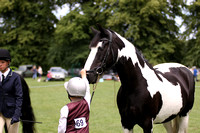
x: 128, y: 50
x: 131, y: 65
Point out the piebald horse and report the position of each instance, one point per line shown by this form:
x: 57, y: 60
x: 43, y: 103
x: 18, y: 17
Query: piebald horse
x: 163, y: 94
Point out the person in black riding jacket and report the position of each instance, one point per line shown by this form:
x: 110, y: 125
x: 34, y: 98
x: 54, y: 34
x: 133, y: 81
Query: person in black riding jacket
x: 10, y: 95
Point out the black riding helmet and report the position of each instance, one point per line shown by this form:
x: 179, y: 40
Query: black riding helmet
x: 5, y: 55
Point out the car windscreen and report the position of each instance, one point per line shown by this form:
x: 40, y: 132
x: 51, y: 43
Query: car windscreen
x: 29, y: 67
x: 22, y: 68
x: 56, y: 70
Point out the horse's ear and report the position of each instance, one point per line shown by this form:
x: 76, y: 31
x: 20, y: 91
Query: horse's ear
x: 103, y: 30
x: 94, y: 31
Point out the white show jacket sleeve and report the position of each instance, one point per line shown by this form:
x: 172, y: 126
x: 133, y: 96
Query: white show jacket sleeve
x: 63, y: 119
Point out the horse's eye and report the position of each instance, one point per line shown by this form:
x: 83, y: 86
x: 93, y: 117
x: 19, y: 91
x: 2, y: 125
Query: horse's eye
x: 104, y: 42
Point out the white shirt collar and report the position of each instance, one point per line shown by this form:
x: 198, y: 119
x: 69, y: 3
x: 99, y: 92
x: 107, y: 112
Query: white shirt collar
x: 6, y: 73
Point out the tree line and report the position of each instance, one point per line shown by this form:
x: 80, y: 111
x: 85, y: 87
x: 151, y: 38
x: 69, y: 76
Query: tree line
x: 33, y: 34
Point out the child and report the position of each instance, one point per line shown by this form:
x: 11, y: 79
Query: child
x: 49, y: 76
x: 74, y: 116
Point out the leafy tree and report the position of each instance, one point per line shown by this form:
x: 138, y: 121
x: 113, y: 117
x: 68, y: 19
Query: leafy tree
x: 70, y: 39
x: 26, y: 29
x: 73, y: 35
x: 149, y: 24
x: 192, y: 34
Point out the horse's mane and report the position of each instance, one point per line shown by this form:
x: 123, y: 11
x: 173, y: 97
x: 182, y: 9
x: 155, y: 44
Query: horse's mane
x: 138, y: 52
x: 120, y: 43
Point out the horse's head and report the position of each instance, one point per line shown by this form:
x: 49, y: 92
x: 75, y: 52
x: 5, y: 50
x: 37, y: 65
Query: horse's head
x: 103, y: 53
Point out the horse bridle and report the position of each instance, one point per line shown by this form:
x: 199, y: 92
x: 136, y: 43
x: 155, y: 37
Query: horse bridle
x: 100, y: 69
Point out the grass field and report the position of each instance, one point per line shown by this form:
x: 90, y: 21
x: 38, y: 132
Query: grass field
x: 48, y: 98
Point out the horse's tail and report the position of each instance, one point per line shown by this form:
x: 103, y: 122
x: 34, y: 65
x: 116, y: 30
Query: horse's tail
x: 27, y: 111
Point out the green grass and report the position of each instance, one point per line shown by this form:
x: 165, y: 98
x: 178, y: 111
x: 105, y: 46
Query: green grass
x: 49, y: 97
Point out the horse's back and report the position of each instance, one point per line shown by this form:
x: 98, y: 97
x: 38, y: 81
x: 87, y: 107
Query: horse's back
x: 165, y: 67
x: 176, y: 73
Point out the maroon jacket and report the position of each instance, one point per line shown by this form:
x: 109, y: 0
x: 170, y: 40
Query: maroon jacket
x: 77, y: 120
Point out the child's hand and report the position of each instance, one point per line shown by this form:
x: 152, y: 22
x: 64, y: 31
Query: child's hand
x: 83, y: 73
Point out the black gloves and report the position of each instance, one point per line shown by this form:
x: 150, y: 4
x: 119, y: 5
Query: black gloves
x: 14, y: 120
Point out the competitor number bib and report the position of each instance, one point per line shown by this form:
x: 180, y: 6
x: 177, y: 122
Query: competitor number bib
x: 80, y: 122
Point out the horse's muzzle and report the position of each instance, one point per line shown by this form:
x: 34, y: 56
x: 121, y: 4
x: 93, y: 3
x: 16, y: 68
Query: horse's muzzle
x: 91, y: 76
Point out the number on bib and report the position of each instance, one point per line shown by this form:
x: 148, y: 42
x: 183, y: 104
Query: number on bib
x: 80, y: 122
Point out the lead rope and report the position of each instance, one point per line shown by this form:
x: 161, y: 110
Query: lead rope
x: 94, y: 88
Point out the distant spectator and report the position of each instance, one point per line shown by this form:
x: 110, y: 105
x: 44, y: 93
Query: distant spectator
x: 195, y: 73
x: 34, y: 69
x: 49, y: 76
x: 40, y: 73
x: 191, y: 69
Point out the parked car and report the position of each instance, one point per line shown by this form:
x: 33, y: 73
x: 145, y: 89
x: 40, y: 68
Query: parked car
x: 25, y: 70
x: 58, y: 73
x: 66, y: 73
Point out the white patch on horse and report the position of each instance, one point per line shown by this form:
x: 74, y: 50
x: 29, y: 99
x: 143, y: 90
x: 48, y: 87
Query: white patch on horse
x: 164, y: 67
x: 92, y: 56
x: 128, y: 50
x: 171, y: 94
x: 127, y: 131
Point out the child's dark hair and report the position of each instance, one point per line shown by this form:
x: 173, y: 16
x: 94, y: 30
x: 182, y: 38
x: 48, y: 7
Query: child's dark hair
x: 73, y: 96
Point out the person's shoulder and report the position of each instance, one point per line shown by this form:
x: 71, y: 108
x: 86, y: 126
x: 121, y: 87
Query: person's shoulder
x: 64, y: 109
x: 16, y: 74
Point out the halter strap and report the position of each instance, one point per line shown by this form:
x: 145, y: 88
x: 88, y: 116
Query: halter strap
x: 99, y: 70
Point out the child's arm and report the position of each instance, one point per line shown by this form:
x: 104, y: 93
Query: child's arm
x: 87, y: 95
x: 63, y: 119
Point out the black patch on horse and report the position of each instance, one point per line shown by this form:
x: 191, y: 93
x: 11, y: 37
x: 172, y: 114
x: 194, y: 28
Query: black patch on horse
x: 134, y: 100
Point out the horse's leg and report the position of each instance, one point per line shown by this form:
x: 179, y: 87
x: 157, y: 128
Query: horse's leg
x: 147, y: 126
x: 168, y: 127
x: 127, y: 131
x: 175, y: 125
x: 183, y: 124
